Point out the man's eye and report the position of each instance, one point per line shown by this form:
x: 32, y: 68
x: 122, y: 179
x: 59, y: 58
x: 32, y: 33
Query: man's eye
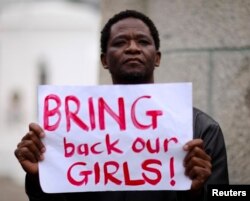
x: 119, y: 43
x: 144, y: 42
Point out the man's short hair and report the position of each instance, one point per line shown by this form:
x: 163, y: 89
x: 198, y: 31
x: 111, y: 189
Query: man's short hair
x: 105, y: 33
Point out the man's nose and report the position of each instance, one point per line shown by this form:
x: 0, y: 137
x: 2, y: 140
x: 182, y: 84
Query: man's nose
x: 133, y: 47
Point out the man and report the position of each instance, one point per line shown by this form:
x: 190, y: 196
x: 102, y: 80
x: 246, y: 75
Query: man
x: 130, y: 51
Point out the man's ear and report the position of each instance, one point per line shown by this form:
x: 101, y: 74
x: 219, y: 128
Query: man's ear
x: 104, y: 61
x: 157, y: 59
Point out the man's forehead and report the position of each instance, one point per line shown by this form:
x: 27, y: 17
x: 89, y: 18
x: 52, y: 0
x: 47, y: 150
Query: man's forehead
x: 130, y: 23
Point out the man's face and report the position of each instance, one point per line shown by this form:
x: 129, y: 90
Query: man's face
x: 131, y: 55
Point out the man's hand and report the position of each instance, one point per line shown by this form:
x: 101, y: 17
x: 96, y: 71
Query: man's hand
x: 197, y: 163
x: 30, y: 150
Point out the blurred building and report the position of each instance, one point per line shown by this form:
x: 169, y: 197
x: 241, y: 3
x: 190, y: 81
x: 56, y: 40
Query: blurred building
x: 41, y: 42
x: 206, y: 43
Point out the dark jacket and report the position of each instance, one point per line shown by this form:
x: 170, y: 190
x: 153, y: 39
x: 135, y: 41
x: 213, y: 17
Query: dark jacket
x: 204, y: 127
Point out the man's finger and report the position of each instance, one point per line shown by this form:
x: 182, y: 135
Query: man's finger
x: 196, y: 152
x: 36, y: 129
x: 193, y: 143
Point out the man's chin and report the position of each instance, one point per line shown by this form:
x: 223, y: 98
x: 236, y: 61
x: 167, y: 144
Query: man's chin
x: 133, y: 78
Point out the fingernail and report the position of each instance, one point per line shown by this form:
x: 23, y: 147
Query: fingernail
x: 185, y: 147
x: 43, y: 149
x: 41, y: 157
x: 42, y: 134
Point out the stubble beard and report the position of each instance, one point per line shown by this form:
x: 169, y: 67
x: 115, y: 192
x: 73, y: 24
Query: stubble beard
x: 131, y: 77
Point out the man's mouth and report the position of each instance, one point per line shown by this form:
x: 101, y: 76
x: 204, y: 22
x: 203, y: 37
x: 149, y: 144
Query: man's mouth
x: 133, y: 60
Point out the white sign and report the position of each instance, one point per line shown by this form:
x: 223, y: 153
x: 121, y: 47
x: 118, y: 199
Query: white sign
x: 115, y: 138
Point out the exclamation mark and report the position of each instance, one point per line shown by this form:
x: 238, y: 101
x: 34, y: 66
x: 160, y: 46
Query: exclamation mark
x: 171, y: 167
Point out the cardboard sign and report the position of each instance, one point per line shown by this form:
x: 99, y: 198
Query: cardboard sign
x: 117, y: 137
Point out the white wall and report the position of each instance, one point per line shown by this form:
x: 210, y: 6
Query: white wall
x: 65, y: 37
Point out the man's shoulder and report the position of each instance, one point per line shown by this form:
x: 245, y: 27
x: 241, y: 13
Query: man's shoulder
x: 200, y: 116
x: 204, y: 125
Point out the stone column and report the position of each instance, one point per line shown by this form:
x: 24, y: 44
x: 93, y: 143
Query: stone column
x: 206, y: 43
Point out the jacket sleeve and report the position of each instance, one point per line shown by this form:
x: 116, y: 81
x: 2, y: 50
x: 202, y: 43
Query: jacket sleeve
x: 210, y: 132
x: 35, y: 193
